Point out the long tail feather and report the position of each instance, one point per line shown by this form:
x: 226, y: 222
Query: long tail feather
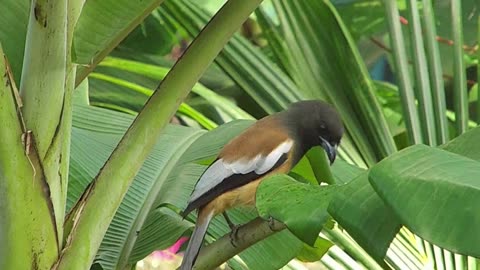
x: 196, y: 240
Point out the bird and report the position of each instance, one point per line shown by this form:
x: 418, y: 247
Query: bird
x: 272, y: 145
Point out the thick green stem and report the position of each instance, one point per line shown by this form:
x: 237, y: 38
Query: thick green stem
x: 27, y: 225
x: 407, y: 96
x: 221, y: 250
x: 62, y: 140
x: 436, y: 74
x: 42, y: 90
x: 478, y: 75
x: 42, y: 86
x: 460, y: 96
x: 90, y: 221
x: 106, y: 46
x: 422, y: 79
x: 320, y: 165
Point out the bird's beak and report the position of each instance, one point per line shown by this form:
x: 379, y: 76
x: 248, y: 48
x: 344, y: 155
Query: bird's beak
x: 330, y: 149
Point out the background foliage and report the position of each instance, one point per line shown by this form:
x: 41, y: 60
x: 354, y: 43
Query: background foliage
x: 401, y: 73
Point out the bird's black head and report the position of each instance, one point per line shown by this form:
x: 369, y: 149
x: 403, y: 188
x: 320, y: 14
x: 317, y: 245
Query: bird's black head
x: 314, y: 122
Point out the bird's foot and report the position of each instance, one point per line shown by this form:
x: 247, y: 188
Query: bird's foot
x: 234, y: 234
x: 234, y: 229
x: 271, y: 223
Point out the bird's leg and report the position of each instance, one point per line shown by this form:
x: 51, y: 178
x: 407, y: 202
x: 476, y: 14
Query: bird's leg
x: 271, y: 223
x: 233, y: 227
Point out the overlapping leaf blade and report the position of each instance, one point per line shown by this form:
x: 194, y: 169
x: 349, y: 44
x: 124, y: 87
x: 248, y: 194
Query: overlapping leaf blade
x: 466, y: 144
x: 363, y: 214
x: 432, y: 192
x: 366, y: 217
x: 301, y: 207
x: 101, y: 27
x: 156, y: 237
x: 13, y: 34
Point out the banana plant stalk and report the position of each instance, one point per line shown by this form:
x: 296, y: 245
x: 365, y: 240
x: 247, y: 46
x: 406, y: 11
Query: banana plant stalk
x: 88, y: 221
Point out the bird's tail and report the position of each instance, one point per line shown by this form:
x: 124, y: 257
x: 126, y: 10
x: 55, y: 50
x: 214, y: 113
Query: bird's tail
x: 196, y: 240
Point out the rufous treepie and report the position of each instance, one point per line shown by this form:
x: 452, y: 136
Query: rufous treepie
x: 272, y: 145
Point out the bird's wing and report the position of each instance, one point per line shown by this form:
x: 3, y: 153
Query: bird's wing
x: 243, y: 160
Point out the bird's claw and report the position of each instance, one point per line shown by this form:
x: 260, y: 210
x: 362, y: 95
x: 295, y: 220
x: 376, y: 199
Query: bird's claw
x: 234, y: 235
x: 271, y: 223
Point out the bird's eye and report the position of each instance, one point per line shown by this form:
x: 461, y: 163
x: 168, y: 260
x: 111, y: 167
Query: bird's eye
x: 322, y: 126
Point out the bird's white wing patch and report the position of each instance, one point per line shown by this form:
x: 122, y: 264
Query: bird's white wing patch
x: 267, y: 162
x: 243, y: 166
x: 220, y: 170
x: 210, y: 178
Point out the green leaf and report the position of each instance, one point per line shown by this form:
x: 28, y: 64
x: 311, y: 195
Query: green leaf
x: 303, y: 172
x: 13, y: 32
x: 179, y: 184
x: 466, y: 144
x: 158, y: 73
x: 344, y: 172
x: 212, y: 142
x: 470, y: 15
x: 152, y: 36
x: 315, y: 253
x: 363, y: 18
x: 301, y: 207
x: 320, y: 165
x: 431, y: 192
x: 101, y: 27
x: 162, y: 228
x: 80, y: 95
x: 363, y: 214
x: 392, y: 109
x: 270, y: 30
